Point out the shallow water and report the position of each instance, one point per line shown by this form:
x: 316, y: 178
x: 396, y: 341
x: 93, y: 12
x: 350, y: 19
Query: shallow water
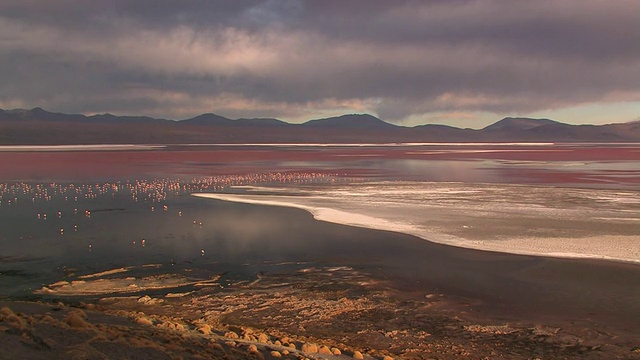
x: 55, y: 230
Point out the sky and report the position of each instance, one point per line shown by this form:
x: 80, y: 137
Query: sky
x: 465, y: 63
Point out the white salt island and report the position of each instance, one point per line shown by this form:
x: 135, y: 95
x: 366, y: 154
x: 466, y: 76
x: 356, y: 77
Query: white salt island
x: 518, y: 219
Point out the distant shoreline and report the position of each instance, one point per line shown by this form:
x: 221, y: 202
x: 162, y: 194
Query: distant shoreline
x: 160, y: 146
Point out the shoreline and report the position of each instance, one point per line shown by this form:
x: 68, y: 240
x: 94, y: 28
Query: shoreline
x: 334, y: 212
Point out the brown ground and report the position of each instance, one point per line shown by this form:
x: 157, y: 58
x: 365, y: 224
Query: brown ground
x: 291, y: 316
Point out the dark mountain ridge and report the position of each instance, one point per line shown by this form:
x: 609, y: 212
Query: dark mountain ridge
x: 38, y: 126
x: 510, y: 123
x: 351, y: 121
x: 208, y: 119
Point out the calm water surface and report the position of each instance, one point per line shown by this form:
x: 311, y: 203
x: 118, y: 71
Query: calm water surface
x: 99, y: 218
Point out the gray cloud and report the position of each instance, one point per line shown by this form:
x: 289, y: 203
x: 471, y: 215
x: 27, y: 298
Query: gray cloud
x: 294, y: 59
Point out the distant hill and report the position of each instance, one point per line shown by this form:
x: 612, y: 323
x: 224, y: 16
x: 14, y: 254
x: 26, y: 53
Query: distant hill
x: 351, y: 121
x: 113, y: 119
x: 208, y: 119
x: 37, y: 114
x: 217, y: 120
x: 38, y: 126
x: 260, y: 122
x: 510, y: 124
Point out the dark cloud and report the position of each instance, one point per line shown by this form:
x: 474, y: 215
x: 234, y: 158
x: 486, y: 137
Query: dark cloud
x: 295, y: 58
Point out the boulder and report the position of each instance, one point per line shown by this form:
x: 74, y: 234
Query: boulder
x: 309, y: 348
x: 262, y: 338
x: 231, y: 335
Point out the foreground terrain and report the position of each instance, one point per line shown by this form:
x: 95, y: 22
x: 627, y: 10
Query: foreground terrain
x: 316, y: 312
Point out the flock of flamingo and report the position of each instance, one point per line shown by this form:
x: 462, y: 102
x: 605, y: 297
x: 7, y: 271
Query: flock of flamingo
x: 41, y: 197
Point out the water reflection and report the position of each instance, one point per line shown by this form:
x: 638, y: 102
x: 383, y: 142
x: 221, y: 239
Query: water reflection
x: 47, y: 229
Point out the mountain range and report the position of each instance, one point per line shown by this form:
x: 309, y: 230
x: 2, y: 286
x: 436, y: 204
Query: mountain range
x: 38, y: 126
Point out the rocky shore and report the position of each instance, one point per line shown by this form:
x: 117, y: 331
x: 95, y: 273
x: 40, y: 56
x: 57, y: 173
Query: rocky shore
x: 316, y: 313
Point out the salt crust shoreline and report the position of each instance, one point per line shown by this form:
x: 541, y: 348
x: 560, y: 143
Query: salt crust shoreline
x: 609, y: 247
x: 129, y: 147
x: 97, y: 147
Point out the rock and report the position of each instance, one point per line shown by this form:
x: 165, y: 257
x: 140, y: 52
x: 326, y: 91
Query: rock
x: 205, y: 329
x: 164, y: 324
x: 7, y: 315
x: 144, y: 299
x: 75, y: 320
x: 387, y: 357
x: 285, y: 352
x: 253, y: 348
x: 277, y: 343
x: 324, y: 350
x: 59, y: 284
x: 172, y: 326
x: 80, y: 313
x: 357, y: 355
x: 15, y: 321
x: 46, y: 318
x: 276, y: 354
x: 216, y: 346
x: 309, y: 348
x: 147, y: 300
x: 231, y: 335
x: 262, y: 338
x: 336, y: 351
x: 144, y: 321
x: 544, y: 331
x: 5, y: 311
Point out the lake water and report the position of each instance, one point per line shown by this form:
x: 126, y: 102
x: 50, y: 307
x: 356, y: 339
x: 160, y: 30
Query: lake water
x: 51, y: 231
x: 131, y: 207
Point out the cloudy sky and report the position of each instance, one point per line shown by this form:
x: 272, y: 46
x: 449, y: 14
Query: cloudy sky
x: 459, y: 62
